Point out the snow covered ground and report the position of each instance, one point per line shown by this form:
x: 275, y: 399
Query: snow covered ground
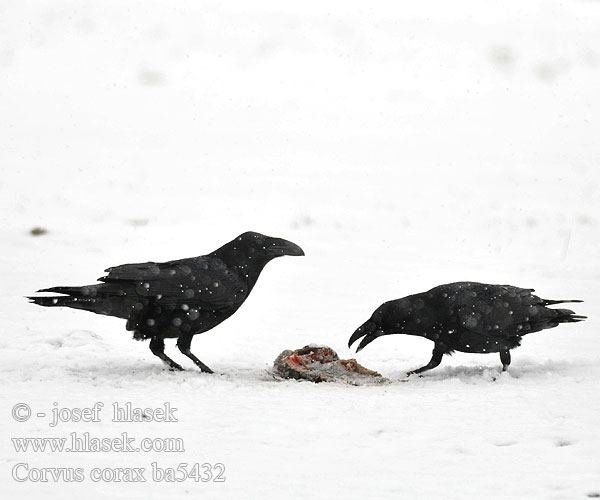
x: 402, y: 146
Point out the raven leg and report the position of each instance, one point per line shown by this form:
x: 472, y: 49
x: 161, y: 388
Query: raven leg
x: 505, y: 358
x: 157, y: 346
x: 436, y: 359
x: 184, y: 343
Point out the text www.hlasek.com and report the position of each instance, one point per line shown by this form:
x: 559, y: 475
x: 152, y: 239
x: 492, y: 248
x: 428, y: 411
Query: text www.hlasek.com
x: 85, y: 443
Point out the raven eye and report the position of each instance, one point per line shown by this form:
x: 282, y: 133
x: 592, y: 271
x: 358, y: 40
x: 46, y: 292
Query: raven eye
x: 260, y: 242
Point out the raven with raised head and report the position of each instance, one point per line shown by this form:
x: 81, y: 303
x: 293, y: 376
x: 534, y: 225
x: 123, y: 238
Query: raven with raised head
x: 466, y: 317
x: 180, y: 298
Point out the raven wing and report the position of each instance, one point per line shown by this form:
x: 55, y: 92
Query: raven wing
x: 500, y: 311
x: 202, y: 282
x: 137, y: 272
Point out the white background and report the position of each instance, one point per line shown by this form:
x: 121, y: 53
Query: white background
x: 401, y: 145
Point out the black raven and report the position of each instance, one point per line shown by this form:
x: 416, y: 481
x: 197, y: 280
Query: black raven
x: 466, y: 317
x: 180, y: 298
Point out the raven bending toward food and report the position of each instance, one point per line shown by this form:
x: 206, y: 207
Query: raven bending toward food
x: 180, y: 298
x: 466, y: 317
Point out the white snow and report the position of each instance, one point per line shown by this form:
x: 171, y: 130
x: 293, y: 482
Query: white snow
x: 402, y: 146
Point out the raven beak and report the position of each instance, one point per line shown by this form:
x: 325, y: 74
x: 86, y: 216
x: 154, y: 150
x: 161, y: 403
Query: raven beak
x: 279, y: 247
x: 369, y: 331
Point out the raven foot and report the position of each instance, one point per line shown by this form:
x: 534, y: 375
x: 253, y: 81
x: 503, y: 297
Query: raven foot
x: 173, y: 367
x: 183, y: 343
x: 198, y: 363
x: 436, y: 359
x: 505, y: 360
x: 157, y: 346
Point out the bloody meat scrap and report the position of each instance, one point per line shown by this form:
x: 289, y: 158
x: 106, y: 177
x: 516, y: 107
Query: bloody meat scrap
x: 322, y: 364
